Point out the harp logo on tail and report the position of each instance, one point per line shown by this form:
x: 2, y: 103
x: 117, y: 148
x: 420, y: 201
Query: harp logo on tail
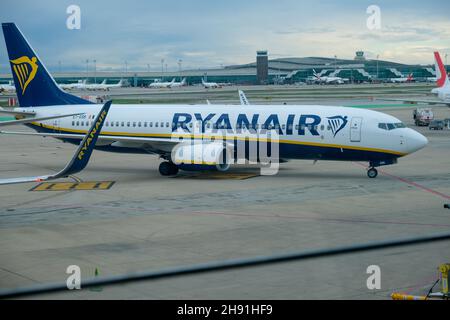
x: 337, y: 123
x: 25, y: 70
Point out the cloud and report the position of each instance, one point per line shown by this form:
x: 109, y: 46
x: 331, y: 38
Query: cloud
x: 207, y: 33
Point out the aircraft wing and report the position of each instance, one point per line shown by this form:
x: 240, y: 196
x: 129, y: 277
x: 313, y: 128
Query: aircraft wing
x: 28, y: 120
x: 415, y: 101
x: 81, y: 157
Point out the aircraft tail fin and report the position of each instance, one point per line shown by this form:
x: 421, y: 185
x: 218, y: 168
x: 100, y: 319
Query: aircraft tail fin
x: 34, y: 84
x: 441, y: 72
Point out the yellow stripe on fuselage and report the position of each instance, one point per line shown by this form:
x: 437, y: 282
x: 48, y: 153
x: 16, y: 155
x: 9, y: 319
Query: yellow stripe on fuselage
x: 220, y: 137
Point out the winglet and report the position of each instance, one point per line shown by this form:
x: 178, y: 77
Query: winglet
x: 84, y: 151
x: 243, y: 98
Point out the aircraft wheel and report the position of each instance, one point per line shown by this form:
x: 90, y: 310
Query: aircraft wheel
x: 173, y: 169
x: 168, y: 169
x: 372, y: 173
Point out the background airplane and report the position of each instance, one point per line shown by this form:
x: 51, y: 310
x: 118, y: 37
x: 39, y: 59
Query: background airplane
x: 327, y: 79
x: 8, y: 87
x: 158, y: 84
x: 179, y: 84
x: 210, y: 85
x: 408, y: 78
x: 72, y: 86
x: 443, y: 86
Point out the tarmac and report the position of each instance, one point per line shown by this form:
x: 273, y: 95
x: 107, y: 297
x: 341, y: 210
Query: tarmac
x: 144, y: 221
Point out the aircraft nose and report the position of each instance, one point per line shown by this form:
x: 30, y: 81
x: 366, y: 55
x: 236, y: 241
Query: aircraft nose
x: 416, y: 141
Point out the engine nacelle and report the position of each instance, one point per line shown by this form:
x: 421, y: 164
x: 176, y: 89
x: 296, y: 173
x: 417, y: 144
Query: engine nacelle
x: 202, y: 156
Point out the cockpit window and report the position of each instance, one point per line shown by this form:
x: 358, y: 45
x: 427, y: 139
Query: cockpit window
x: 400, y: 125
x: 391, y: 126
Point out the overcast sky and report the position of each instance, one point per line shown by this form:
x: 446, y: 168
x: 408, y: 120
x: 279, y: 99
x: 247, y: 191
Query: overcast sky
x: 210, y: 33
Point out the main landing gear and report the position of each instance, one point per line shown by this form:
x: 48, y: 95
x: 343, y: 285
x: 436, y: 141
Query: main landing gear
x: 372, y: 173
x: 167, y: 168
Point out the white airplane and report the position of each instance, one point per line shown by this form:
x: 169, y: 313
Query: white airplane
x: 157, y: 84
x: 172, y: 131
x: 443, y: 86
x: 104, y: 86
x: 178, y: 84
x: 408, y: 78
x: 210, y: 85
x: 71, y: 86
x: 328, y: 80
x: 8, y: 87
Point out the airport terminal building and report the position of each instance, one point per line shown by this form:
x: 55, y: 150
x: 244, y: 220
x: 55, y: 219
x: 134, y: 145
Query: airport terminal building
x: 266, y: 71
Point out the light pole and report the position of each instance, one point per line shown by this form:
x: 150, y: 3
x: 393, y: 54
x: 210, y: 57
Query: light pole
x: 87, y: 68
x: 59, y: 67
x: 378, y: 56
x: 148, y: 67
x: 179, y: 67
x: 95, y: 71
x: 162, y: 68
x: 335, y: 62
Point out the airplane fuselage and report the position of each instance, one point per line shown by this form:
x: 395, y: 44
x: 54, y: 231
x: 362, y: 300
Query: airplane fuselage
x: 305, y: 132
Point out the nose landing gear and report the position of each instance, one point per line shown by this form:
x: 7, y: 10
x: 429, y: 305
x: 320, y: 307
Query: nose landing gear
x: 372, y: 173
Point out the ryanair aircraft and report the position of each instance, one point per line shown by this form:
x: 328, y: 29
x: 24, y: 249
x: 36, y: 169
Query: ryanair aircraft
x: 213, y: 132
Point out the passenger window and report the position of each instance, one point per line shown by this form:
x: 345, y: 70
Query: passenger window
x: 112, y: 124
x: 296, y: 127
x: 162, y: 124
x: 151, y: 124
x: 156, y: 124
x: 145, y: 124
x: 322, y: 127
x: 73, y: 123
x: 167, y: 124
x: 128, y: 124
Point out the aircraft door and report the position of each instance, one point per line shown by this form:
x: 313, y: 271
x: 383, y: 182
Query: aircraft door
x: 355, y: 129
